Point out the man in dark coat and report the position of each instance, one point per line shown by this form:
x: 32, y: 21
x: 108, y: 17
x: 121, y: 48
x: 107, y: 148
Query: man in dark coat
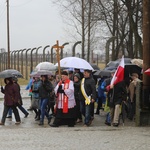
x: 44, y: 94
x: 117, y: 94
x: 87, y: 96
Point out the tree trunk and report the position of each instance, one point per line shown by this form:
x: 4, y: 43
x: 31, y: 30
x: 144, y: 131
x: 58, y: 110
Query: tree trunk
x: 83, y: 31
x: 89, y: 31
x: 146, y: 51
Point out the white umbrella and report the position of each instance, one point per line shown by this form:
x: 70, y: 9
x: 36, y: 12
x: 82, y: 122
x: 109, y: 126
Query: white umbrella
x: 45, y: 66
x: 74, y: 62
x: 40, y: 72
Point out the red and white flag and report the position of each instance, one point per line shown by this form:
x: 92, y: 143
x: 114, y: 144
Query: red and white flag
x: 119, y: 73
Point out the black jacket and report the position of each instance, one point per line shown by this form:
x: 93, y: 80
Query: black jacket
x: 117, y: 94
x: 77, y: 90
x: 90, y: 88
x: 45, y: 89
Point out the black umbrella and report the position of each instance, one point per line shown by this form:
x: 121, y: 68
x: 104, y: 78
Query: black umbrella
x: 95, y: 67
x: 117, y: 62
x: 102, y: 73
x: 110, y: 68
x: 10, y: 73
x: 132, y: 68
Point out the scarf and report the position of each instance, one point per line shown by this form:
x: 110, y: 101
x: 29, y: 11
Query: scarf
x: 65, y: 98
x: 87, y: 98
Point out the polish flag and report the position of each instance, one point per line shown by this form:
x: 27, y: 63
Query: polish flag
x: 119, y: 74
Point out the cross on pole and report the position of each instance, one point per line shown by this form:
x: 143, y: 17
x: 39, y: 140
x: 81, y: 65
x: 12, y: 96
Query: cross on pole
x: 57, y: 47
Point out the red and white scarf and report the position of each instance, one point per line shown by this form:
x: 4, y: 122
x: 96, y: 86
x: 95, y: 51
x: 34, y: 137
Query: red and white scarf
x: 65, y: 98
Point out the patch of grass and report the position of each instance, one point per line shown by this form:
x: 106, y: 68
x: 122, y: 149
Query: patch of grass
x: 101, y: 65
x: 22, y: 81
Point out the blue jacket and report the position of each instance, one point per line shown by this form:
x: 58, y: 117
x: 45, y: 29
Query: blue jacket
x: 101, y: 91
x: 35, y: 88
x: 28, y: 87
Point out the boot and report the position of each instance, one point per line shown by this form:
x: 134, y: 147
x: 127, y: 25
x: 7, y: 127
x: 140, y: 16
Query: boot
x: 49, y: 119
x: 41, y: 123
x: 38, y: 116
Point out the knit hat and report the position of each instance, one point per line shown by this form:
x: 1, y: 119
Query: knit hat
x: 87, y: 70
x: 77, y: 75
x: 46, y: 76
x: 64, y: 73
x: 70, y: 72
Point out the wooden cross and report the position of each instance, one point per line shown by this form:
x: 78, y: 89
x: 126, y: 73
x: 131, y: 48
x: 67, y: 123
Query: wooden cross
x: 57, y: 47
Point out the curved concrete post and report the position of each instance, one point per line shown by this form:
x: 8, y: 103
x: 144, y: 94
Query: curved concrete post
x: 37, y: 54
x: 5, y: 60
x: 44, y: 51
x: 15, y: 59
x: 2, y: 61
x: 12, y: 66
x: 52, y: 54
x: 27, y: 63
x: 18, y: 68
x: 31, y: 65
x: 22, y: 60
x: 61, y: 52
x: 74, y: 46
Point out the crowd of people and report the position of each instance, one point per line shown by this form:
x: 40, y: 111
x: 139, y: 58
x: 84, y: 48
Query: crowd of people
x: 70, y: 98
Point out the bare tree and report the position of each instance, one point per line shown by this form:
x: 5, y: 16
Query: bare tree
x: 123, y: 22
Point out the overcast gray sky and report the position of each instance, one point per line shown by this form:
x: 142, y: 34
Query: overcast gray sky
x: 33, y: 23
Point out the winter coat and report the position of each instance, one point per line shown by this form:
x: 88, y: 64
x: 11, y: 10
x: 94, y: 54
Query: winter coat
x: 101, y: 92
x: 35, y: 88
x: 117, y: 94
x: 11, y: 94
x: 77, y: 90
x: 45, y: 88
x: 20, y: 98
x: 90, y: 88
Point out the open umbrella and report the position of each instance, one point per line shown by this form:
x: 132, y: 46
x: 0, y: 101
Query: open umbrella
x: 10, y: 73
x: 74, y: 62
x: 95, y: 67
x: 41, y: 72
x: 138, y: 62
x: 132, y: 68
x: 147, y: 72
x: 110, y: 68
x: 45, y: 66
x: 103, y: 73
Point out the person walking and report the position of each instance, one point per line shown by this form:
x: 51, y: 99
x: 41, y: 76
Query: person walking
x: 77, y: 84
x: 132, y: 95
x: 44, y: 93
x: 118, y: 94
x: 65, y: 103
x: 88, y: 97
x: 20, y: 102
x: 11, y: 97
x: 101, y: 96
x: 35, y: 103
